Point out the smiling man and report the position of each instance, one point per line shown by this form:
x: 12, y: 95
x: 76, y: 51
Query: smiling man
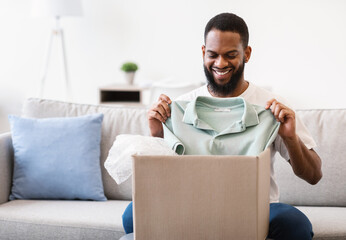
x: 225, y: 53
x: 224, y: 62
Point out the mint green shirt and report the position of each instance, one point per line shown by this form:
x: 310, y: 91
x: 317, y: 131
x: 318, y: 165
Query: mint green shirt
x: 219, y: 126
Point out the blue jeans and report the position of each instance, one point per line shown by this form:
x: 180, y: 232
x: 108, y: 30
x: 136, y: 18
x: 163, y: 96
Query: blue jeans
x: 285, y: 222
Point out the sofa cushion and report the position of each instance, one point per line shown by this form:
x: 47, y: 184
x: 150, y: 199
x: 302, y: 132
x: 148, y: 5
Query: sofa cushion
x: 57, y: 158
x: 328, y: 223
x: 328, y: 130
x: 37, y: 219
x: 117, y: 120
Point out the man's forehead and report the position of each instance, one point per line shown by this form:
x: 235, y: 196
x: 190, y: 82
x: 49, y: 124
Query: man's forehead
x: 222, y: 39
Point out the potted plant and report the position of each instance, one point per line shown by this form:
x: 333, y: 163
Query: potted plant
x: 130, y: 69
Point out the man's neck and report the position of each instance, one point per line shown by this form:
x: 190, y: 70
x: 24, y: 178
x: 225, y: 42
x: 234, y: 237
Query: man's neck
x: 242, y: 86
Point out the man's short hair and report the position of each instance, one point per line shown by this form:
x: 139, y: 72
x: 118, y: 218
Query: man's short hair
x: 228, y: 22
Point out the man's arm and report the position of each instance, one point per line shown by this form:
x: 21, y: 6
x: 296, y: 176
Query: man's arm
x: 158, y: 114
x: 305, y: 162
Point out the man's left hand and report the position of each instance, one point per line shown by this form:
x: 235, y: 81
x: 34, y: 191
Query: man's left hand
x: 305, y: 162
x: 285, y: 116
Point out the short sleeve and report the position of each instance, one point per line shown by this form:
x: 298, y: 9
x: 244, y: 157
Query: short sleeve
x: 173, y: 142
x: 304, y: 134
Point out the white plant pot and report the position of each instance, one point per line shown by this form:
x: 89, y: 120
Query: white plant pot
x: 130, y: 76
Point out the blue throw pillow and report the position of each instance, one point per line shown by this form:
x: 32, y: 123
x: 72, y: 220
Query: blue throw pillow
x: 57, y: 158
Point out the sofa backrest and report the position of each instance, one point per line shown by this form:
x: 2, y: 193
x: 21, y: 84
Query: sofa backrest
x: 328, y: 128
x: 117, y: 120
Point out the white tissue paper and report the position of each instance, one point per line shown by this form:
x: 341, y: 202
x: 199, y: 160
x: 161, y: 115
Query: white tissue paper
x: 119, y: 160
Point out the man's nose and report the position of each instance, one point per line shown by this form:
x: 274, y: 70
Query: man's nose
x: 220, y: 62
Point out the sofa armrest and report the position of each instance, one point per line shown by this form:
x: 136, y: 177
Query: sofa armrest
x: 6, y: 166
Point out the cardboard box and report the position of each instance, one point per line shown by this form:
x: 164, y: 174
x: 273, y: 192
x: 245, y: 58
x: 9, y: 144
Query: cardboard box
x: 201, y: 197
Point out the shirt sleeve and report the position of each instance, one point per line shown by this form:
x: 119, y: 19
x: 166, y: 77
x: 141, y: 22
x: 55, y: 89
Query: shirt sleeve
x: 274, y: 134
x: 173, y: 142
x: 303, y: 134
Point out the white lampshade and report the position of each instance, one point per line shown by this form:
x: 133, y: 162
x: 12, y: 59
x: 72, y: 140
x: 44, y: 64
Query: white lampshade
x: 56, y: 8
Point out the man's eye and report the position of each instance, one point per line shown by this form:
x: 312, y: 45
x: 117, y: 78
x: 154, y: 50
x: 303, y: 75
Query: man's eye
x: 231, y: 56
x: 212, y: 55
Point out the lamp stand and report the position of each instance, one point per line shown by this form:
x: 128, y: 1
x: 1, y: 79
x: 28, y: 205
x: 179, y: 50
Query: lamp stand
x: 58, y: 34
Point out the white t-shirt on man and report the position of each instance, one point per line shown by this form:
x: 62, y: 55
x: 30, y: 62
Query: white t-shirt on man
x: 259, y: 96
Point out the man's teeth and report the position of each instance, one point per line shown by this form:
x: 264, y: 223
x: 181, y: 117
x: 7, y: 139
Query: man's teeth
x: 222, y: 73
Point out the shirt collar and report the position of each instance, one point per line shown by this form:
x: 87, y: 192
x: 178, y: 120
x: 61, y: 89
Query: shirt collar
x: 248, y: 119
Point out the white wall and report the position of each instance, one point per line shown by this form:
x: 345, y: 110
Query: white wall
x: 298, y: 47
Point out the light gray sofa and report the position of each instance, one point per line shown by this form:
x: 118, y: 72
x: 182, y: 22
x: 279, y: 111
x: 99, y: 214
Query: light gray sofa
x: 324, y: 203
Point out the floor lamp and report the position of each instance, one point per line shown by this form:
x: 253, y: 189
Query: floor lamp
x: 56, y: 9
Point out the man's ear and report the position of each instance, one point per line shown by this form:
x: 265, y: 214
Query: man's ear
x: 247, y: 53
x: 203, y: 50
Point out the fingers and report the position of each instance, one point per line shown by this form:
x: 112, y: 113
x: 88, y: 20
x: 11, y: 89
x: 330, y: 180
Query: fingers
x: 279, y: 110
x: 165, y: 98
x: 163, y: 102
x: 160, y: 110
x: 269, y: 103
x: 281, y: 115
x: 152, y: 115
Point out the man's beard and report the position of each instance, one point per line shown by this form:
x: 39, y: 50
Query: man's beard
x: 229, y: 87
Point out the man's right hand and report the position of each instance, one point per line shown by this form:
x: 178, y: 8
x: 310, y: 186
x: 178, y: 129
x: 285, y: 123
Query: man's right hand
x: 158, y: 114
